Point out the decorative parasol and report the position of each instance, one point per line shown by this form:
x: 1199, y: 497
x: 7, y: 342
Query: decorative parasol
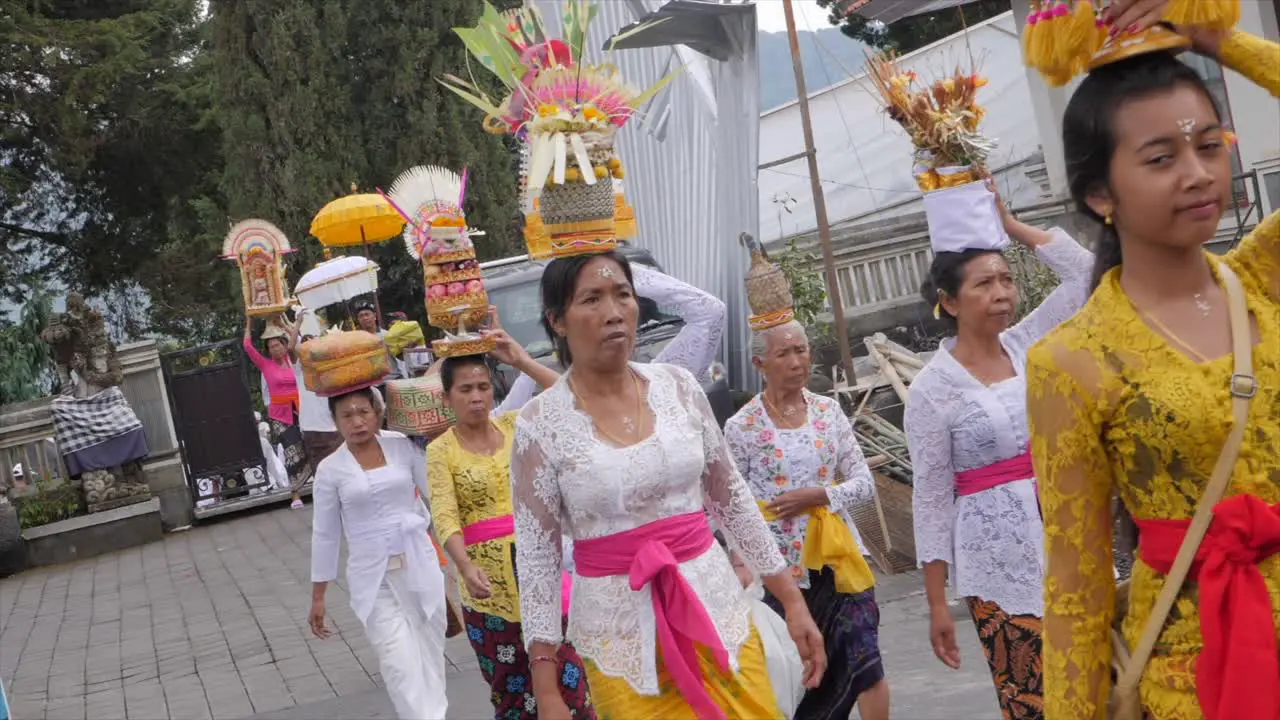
x: 337, y: 281
x: 356, y: 219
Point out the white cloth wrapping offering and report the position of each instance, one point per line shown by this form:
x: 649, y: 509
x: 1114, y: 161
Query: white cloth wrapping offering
x: 964, y: 217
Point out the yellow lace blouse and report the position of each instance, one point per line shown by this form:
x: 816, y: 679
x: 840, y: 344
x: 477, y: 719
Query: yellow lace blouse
x: 1113, y: 406
x: 467, y: 488
x: 1256, y: 58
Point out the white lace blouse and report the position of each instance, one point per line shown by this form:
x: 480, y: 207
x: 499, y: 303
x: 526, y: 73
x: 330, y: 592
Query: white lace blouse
x: 823, y: 454
x: 992, y: 540
x: 565, y: 479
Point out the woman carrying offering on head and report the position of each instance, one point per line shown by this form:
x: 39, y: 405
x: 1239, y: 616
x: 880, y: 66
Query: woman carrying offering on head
x: 365, y: 492
x: 469, y: 469
x: 798, y: 454
x: 974, y: 503
x: 277, y: 368
x: 1163, y: 390
x: 627, y: 459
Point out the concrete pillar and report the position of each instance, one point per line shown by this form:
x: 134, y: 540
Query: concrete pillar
x: 1048, y: 104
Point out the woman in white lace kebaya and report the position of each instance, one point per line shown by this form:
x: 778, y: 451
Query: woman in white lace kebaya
x: 365, y: 491
x: 799, y: 456
x: 627, y: 459
x: 977, y: 516
x: 469, y: 472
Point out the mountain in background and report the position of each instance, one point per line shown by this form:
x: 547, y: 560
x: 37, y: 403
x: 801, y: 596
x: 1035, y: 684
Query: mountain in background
x: 828, y: 55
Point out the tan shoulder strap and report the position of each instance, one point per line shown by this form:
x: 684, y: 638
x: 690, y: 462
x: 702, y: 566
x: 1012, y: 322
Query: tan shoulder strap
x: 1243, y: 387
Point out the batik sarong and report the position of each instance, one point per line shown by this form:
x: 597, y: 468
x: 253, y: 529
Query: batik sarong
x: 1012, y: 645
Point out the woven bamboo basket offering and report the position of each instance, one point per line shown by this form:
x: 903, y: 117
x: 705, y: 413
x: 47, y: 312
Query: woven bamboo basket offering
x: 768, y: 290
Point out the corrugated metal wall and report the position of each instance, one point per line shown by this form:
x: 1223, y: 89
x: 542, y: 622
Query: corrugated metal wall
x: 691, y: 165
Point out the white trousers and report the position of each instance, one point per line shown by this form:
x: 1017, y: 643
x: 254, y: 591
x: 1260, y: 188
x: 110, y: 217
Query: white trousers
x: 410, y: 651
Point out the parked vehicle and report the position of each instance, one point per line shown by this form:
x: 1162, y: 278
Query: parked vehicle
x: 514, y: 287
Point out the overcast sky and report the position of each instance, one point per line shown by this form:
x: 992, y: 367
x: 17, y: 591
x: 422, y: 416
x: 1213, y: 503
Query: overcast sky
x: 808, y: 15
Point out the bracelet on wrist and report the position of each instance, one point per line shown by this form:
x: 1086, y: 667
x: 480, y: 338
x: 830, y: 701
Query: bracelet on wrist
x: 535, y: 659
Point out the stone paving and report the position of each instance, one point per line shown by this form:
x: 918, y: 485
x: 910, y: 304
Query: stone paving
x: 211, y: 623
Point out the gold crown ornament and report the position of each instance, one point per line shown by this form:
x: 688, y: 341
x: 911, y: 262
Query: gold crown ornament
x: 567, y: 113
x: 1066, y: 38
x: 768, y: 290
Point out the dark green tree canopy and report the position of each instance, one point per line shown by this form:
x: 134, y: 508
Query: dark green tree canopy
x: 914, y: 32
x: 134, y: 133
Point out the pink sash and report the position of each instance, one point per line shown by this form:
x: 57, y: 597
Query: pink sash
x: 505, y: 526
x: 651, y: 555
x: 972, y: 482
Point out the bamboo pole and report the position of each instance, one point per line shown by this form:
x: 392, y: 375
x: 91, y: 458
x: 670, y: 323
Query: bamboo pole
x: 819, y: 200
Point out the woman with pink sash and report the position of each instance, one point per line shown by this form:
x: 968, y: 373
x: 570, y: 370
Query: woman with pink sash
x: 468, y: 469
x: 977, y: 518
x: 627, y: 460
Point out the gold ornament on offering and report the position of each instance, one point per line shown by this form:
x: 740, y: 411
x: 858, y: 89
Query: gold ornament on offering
x: 258, y: 247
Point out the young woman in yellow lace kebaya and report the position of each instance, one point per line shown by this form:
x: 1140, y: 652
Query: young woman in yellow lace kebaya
x: 1133, y: 396
x: 468, y: 469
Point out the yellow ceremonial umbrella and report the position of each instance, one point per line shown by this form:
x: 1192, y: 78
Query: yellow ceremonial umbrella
x: 356, y: 219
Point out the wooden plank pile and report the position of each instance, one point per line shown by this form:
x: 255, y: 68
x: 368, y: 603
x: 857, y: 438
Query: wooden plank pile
x: 885, y: 523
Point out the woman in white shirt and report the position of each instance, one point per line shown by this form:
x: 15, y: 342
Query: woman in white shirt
x: 365, y: 491
x: 976, y: 511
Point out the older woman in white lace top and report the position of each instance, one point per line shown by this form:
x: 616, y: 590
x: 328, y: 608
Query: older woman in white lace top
x: 627, y: 459
x: 976, y: 513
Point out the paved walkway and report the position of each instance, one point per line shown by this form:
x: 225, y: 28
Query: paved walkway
x: 211, y: 623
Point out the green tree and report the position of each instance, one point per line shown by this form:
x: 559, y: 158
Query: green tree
x: 99, y: 144
x: 26, y: 367
x: 804, y: 270
x: 314, y: 97
x: 911, y: 33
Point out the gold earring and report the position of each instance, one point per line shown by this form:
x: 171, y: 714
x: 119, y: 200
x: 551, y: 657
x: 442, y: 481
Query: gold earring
x: 937, y: 311
x: 1107, y: 219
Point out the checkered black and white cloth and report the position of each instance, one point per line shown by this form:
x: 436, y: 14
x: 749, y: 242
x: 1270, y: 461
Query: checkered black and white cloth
x: 83, y: 423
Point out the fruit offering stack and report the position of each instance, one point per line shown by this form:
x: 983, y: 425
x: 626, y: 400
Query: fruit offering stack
x: 453, y: 277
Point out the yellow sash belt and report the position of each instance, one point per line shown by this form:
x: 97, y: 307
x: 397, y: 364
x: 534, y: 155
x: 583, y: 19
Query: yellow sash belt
x: 829, y: 543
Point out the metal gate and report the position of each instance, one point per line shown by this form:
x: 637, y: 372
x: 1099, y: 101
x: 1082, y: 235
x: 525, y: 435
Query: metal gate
x: 213, y: 414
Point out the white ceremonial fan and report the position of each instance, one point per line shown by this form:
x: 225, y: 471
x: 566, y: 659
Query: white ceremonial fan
x: 423, y: 193
x: 337, y: 281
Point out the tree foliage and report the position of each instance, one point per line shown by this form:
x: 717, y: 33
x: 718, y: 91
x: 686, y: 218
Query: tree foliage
x: 911, y: 33
x: 134, y: 133
x: 316, y: 97
x: 804, y: 271
x: 101, y: 146
x: 26, y: 367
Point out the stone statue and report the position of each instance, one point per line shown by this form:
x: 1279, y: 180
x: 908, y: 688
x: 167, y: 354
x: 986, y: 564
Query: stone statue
x: 87, y: 366
x: 81, y: 346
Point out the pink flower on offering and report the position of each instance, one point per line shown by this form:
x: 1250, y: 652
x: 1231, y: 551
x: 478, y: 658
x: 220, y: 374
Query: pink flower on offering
x: 456, y: 288
x: 438, y: 291
x: 474, y: 286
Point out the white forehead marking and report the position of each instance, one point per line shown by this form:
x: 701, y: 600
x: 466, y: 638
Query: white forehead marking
x: 1187, y: 127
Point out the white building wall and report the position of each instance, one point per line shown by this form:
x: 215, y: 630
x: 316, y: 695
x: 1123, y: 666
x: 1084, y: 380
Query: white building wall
x: 864, y: 158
